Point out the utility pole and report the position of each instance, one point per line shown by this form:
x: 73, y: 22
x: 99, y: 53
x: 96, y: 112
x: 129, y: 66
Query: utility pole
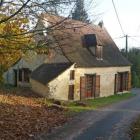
x: 126, y: 36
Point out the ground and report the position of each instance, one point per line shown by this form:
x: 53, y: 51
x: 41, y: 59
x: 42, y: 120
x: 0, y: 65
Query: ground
x: 108, y: 123
x: 24, y: 115
x: 135, y: 129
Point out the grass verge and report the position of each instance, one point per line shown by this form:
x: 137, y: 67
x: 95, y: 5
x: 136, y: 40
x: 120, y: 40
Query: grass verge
x: 135, y: 130
x: 91, y: 104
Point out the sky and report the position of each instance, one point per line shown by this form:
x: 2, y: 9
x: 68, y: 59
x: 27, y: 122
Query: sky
x: 129, y: 14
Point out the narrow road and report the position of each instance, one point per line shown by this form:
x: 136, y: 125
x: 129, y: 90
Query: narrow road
x: 108, y: 123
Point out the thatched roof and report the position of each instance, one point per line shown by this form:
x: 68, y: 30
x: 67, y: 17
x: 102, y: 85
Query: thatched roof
x: 69, y: 34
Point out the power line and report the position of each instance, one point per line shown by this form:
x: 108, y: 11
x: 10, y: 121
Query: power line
x: 118, y: 17
x: 135, y: 40
x: 132, y: 36
x: 120, y: 37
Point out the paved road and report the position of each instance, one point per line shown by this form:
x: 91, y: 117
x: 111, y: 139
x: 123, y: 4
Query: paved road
x: 109, y: 123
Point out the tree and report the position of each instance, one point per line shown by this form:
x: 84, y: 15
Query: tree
x: 30, y: 8
x: 135, y: 80
x: 17, y: 27
x: 13, y: 11
x: 11, y: 45
x: 134, y: 58
x: 80, y: 12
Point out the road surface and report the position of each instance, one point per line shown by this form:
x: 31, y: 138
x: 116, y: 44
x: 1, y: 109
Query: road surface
x: 108, y: 123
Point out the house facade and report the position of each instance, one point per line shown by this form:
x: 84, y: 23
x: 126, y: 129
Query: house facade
x: 81, y: 83
x: 85, y: 64
x: 19, y: 73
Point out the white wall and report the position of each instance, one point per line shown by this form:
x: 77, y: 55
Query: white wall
x: 59, y: 87
x: 107, y: 78
x: 56, y: 89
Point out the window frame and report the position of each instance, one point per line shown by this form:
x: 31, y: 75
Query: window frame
x: 99, y: 52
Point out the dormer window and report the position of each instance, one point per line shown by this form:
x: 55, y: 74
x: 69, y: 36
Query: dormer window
x: 90, y: 40
x: 99, y: 52
x: 93, y: 45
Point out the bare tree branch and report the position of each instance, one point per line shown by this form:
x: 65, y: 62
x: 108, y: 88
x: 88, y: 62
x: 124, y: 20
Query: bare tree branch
x: 6, y: 19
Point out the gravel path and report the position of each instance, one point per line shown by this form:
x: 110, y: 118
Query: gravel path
x: 109, y: 123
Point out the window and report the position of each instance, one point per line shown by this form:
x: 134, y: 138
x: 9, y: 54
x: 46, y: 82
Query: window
x: 89, y: 86
x: 20, y: 75
x: 99, y: 52
x: 72, y: 74
x: 71, y: 85
x: 24, y: 75
x: 27, y: 73
x: 90, y: 40
x: 122, y: 82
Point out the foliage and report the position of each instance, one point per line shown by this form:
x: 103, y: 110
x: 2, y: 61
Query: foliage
x: 135, y: 79
x: 12, y: 42
x: 134, y: 58
x: 17, y: 21
x: 24, y: 117
x: 135, y: 130
x: 80, y: 12
x: 31, y: 9
x: 1, y: 73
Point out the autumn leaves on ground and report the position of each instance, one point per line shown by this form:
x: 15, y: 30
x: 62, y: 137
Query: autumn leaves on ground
x: 23, y: 117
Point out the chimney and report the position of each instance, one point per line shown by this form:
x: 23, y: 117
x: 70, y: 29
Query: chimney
x: 101, y: 24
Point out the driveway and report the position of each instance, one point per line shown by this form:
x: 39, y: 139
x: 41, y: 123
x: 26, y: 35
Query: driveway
x: 108, y: 123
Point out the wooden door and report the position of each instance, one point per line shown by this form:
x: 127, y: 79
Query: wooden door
x: 89, y: 86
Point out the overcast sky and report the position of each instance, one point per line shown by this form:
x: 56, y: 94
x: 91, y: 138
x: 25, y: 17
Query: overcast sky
x: 129, y: 14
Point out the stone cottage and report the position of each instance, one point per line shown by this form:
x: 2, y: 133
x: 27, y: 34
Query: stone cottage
x: 85, y: 62
x: 19, y: 73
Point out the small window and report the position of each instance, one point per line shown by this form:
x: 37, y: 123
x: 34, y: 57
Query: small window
x: 99, y: 52
x: 27, y: 73
x: 24, y: 75
x: 20, y: 75
x: 90, y: 40
x: 72, y: 74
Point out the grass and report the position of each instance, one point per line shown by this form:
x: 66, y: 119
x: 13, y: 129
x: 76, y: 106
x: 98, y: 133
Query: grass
x: 135, y: 133
x: 91, y: 104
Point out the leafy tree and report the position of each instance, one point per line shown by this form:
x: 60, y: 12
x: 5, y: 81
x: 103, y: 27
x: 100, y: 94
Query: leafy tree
x: 80, y: 12
x: 12, y: 42
x: 134, y: 58
x: 135, y: 80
